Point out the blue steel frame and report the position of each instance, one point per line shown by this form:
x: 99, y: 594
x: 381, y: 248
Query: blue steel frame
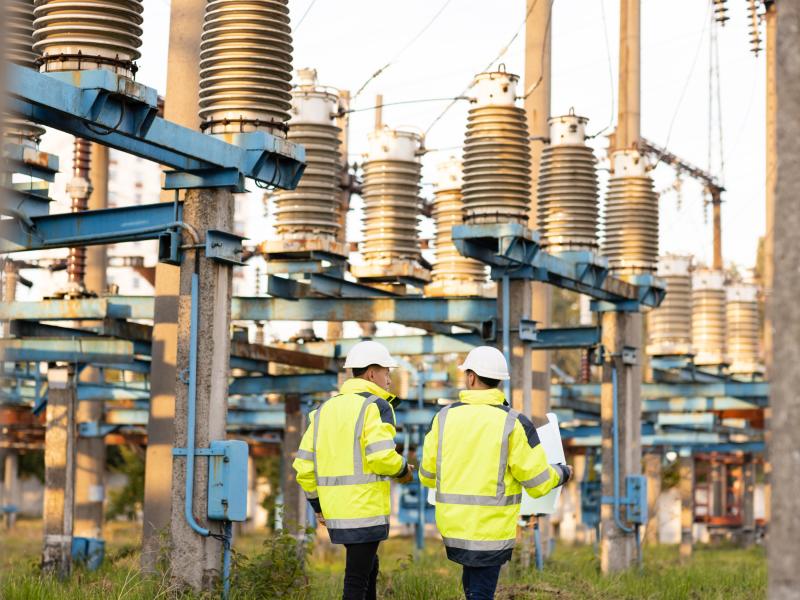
x: 109, y: 109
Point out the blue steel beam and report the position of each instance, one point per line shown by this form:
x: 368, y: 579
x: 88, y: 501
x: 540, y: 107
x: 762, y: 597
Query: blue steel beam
x: 754, y: 391
x: 402, y: 310
x: 86, y: 228
x: 285, y: 384
x: 513, y: 249
x: 409, y: 345
x: 83, y: 350
x: 113, y: 111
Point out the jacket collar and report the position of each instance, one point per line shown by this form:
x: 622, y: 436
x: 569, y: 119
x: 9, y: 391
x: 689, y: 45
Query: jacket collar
x: 356, y: 385
x: 492, y: 396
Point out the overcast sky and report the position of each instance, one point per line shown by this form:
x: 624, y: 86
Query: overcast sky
x: 348, y: 40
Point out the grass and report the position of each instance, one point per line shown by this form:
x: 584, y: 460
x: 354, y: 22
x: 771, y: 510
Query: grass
x: 571, y: 573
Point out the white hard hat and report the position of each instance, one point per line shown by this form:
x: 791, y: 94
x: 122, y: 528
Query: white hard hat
x: 486, y: 361
x: 364, y: 354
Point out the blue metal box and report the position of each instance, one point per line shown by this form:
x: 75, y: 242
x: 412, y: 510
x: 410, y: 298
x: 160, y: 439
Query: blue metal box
x: 227, y: 481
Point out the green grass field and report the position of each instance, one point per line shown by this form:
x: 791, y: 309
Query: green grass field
x: 571, y: 573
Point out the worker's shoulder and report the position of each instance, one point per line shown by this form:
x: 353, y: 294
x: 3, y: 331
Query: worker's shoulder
x: 522, y: 422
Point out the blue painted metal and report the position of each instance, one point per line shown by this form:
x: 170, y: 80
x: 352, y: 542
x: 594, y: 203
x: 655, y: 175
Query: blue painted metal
x: 224, y: 247
x: 506, y: 322
x: 754, y: 391
x: 636, y: 499
x: 403, y: 310
x: 30, y: 161
x: 296, y: 384
x: 562, y: 337
x: 339, y: 287
x: 96, y: 429
x: 227, y: 481
x: 25, y: 205
x: 537, y: 544
x: 616, y: 500
x: 88, y: 551
x: 408, y: 345
x: 591, y: 492
x: 85, y: 228
x: 113, y: 111
x: 83, y: 350
x: 512, y: 249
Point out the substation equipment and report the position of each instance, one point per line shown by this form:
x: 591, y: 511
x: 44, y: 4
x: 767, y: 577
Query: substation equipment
x: 257, y: 127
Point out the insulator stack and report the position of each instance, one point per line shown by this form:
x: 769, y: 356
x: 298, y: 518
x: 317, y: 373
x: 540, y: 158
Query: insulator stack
x: 721, y: 11
x: 567, y: 198
x: 708, y: 317
x: 743, y: 329
x: 755, y: 26
x: 246, y: 66
x: 631, y: 216
x: 670, y: 325
x: 312, y: 209
x: 391, y: 196
x: 79, y: 189
x: 448, y: 206
x: 78, y: 35
x: 19, y: 50
x: 497, y: 163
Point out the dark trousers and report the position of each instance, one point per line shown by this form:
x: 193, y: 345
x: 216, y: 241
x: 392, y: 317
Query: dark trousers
x: 480, y: 582
x: 361, y: 571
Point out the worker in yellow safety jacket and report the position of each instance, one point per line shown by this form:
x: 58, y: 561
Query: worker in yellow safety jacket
x: 345, y: 461
x: 478, y: 455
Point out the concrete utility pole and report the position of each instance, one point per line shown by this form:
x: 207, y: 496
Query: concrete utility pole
x: 294, y: 501
x: 11, y: 484
x: 194, y: 559
x: 748, y: 502
x: 90, y: 461
x: 783, y: 546
x: 59, y: 470
x: 652, y: 469
x: 771, y: 172
x: 622, y: 330
x: 536, y: 390
x: 183, y: 84
x: 686, y: 487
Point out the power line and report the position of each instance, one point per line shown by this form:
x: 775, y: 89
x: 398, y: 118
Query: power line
x: 610, y: 72
x: 404, y: 48
x: 305, y: 14
x: 401, y: 102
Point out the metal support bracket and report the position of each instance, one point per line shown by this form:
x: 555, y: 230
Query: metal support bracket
x: 563, y: 337
x: 199, y: 452
x: 96, y: 429
x: 224, y: 247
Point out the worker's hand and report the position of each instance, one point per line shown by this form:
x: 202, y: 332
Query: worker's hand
x: 408, y: 475
x: 568, y: 472
x: 321, y: 520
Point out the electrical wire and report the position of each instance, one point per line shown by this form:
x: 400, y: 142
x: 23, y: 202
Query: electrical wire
x: 688, y: 80
x: 610, y: 74
x: 303, y: 18
x: 401, y: 102
x: 402, y: 50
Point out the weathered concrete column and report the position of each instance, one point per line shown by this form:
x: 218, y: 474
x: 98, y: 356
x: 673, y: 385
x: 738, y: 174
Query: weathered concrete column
x: 628, y: 130
x: 578, y: 462
x: 652, y: 469
x: 686, y: 487
x: 538, y: 42
x: 620, y: 330
x: 717, y: 488
x: 783, y: 546
x: 59, y: 471
x: 520, y: 364
x: 748, y: 537
x: 183, y: 84
x: 90, y: 460
x: 294, y: 501
x: 195, y: 560
x: 11, y: 484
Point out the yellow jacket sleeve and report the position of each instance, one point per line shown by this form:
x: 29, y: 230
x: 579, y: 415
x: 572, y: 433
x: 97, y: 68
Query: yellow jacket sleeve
x: 528, y: 461
x: 427, y: 469
x: 304, y: 463
x: 378, y: 440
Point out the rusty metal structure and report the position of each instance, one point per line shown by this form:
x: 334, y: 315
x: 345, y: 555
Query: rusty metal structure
x: 631, y: 216
x: 708, y: 317
x: 669, y: 326
x: 312, y: 209
x: 246, y: 67
x: 74, y: 35
x: 497, y: 181
x: 567, y: 205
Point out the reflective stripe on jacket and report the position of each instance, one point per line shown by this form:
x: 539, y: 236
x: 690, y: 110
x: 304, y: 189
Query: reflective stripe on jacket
x: 345, y: 460
x: 478, y: 455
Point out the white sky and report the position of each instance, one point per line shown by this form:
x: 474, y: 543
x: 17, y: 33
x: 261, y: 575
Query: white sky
x: 346, y: 41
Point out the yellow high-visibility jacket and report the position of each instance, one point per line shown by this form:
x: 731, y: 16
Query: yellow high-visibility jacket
x: 345, y: 460
x: 478, y: 455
